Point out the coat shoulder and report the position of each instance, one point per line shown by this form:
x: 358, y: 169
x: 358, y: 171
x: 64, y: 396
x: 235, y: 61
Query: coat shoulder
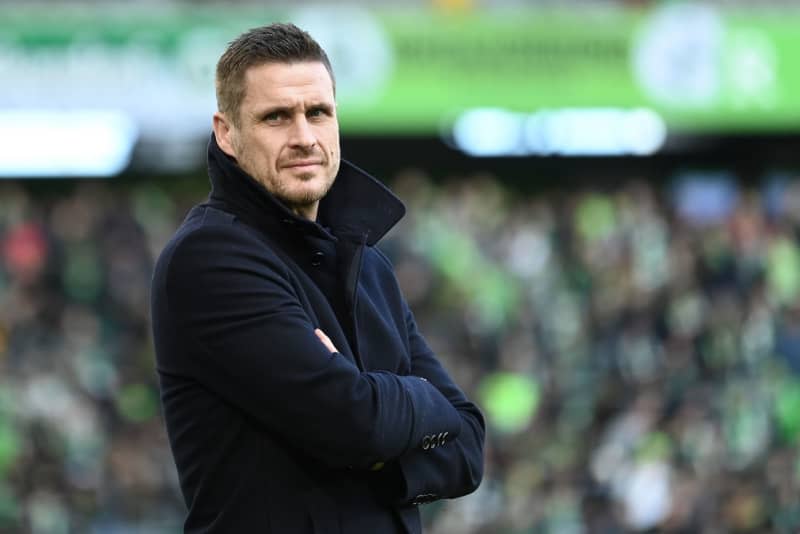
x: 213, y: 231
x: 211, y: 240
x: 377, y: 262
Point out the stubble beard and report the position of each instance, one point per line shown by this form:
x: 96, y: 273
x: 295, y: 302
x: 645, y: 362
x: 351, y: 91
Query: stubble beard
x: 282, y: 185
x: 279, y: 185
x: 282, y: 188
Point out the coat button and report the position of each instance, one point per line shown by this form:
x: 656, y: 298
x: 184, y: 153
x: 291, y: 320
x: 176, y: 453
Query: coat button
x: 316, y: 258
x: 377, y: 466
x: 426, y: 443
x: 424, y: 498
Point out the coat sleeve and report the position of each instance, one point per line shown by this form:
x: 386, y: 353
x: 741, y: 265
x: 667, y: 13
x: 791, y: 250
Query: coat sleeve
x: 252, y: 344
x: 446, y: 468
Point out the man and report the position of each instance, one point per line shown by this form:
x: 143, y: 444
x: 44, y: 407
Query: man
x: 298, y: 394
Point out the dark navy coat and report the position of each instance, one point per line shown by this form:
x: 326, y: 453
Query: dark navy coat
x: 270, y: 431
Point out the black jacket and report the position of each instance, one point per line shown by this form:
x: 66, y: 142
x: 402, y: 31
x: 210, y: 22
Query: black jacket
x: 269, y: 430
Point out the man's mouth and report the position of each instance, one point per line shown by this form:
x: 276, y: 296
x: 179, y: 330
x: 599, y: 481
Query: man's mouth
x: 303, y: 164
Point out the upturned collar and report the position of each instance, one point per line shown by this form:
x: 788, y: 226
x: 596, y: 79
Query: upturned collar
x: 356, y: 205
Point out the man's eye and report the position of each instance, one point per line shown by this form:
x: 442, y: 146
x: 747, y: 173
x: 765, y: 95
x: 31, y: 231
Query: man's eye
x: 273, y: 117
x: 317, y: 112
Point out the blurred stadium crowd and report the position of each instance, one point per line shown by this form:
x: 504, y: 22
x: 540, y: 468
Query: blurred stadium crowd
x: 638, y: 363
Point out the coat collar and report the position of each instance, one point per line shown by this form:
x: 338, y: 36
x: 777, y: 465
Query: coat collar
x: 356, y: 205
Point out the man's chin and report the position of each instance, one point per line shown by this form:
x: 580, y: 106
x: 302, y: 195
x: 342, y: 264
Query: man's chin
x: 304, y: 196
x: 310, y: 184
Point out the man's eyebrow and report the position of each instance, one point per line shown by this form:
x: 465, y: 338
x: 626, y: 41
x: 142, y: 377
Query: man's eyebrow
x: 272, y: 109
x: 319, y: 104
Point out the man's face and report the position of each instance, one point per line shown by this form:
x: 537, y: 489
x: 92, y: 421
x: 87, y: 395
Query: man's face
x: 288, y: 133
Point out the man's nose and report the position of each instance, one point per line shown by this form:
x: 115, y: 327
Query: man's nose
x: 301, y: 133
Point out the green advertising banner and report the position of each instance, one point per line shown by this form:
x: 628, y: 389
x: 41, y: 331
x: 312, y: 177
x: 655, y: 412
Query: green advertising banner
x: 414, y: 70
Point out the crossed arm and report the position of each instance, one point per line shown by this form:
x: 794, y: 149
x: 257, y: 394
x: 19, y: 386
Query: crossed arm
x: 439, y: 467
x: 256, y: 347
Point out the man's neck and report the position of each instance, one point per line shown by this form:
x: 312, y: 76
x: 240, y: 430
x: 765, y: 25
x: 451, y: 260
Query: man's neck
x: 307, y: 211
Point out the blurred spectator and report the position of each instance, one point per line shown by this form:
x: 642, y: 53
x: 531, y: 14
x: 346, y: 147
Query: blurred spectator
x: 636, y: 350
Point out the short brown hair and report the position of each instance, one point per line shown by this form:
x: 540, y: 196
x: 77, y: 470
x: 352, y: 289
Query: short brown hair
x: 274, y: 43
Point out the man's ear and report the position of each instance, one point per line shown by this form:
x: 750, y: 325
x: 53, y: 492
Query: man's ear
x: 223, y: 131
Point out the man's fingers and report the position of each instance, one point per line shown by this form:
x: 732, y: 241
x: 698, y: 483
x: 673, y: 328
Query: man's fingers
x: 325, y: 340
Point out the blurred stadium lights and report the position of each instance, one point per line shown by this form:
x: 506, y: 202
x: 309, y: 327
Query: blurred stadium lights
x: 609, y: 79
x: 69, y: 143
x: 492, y: 132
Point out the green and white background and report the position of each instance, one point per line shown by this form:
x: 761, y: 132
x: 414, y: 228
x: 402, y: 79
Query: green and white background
x: 409, y: 70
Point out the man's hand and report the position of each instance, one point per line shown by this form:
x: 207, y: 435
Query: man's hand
x: 325, y: 340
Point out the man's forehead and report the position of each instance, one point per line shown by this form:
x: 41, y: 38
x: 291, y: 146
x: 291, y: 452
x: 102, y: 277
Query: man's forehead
x: 309, y: 75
